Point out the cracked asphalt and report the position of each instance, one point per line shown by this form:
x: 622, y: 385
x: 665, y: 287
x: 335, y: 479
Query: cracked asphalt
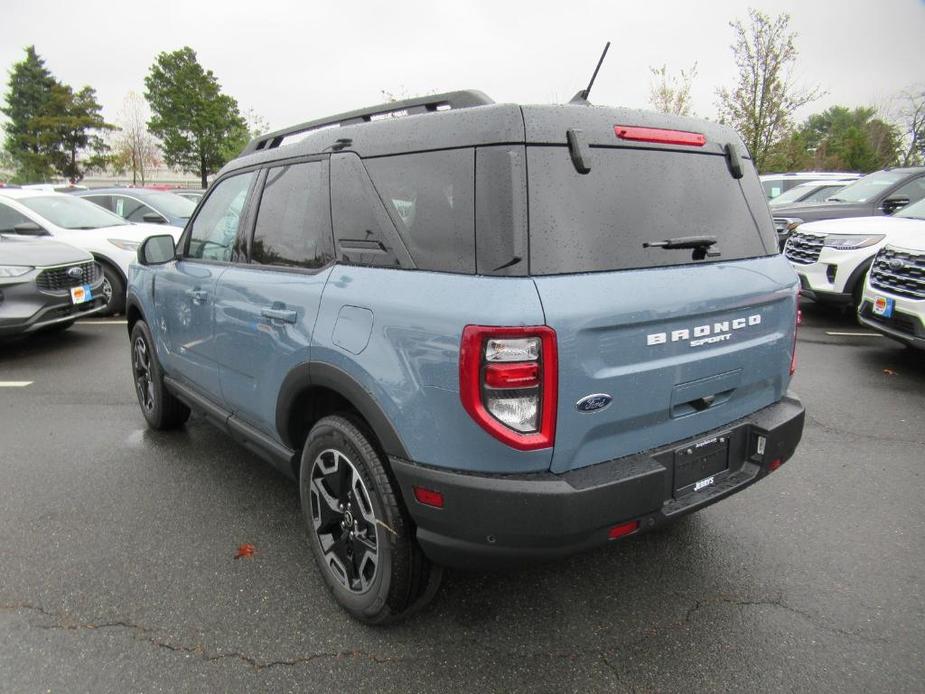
x: 117, y: 569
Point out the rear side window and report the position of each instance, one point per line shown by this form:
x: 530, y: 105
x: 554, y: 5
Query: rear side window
x: 215, y: 227
x: 430, y: 197
x: 293, y: 226
x: 600, y: 220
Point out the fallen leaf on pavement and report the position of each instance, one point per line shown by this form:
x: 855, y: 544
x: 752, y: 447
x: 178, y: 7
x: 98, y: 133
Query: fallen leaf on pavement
x: 246, y: 551
x: 889, y: 372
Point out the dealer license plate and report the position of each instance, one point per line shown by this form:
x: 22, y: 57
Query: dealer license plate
x: 81, y: 294
x: 696, y: 464
x: 883, y: 306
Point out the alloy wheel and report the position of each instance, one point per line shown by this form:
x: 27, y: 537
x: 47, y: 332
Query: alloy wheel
x: 141, y: 365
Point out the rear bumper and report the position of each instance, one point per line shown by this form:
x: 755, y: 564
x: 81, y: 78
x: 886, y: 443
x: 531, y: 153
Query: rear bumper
x: 493, y: 521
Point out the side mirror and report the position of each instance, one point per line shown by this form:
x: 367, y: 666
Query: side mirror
x: 891, y: 205
x: 30, y: 229
x: 153, y: 218
x: 157, y: 250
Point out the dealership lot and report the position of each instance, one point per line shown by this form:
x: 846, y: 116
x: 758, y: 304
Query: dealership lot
x: 117, y: 568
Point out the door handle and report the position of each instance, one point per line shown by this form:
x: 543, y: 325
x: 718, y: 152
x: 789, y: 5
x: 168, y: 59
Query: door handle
x: 280, y: 314
x: 198, y: 296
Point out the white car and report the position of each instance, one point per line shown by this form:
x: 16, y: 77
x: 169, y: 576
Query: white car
x: 775, y: 184
x: 893, y: 301
x: 108, y: 237
x: 832, y: 256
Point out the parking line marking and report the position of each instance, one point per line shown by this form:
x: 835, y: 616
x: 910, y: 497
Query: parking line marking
x: 103, y: 322
x: 15, y: 384
x: 828, y: 332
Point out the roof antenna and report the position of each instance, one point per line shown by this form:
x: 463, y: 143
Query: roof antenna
x: 581, y: 98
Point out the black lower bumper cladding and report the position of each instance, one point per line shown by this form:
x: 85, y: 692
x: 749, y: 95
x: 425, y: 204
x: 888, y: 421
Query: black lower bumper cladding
x: 497, y: 521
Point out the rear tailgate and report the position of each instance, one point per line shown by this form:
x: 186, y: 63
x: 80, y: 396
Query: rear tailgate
x: 683, y: 339
x: 680, y: 350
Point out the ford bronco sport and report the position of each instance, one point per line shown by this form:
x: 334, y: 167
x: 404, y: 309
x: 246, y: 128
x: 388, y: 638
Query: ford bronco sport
x: 476, y: 333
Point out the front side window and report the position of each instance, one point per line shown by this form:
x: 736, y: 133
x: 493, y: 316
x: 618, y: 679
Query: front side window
x: 293, y: 226
x: 215, y: 227
x: 913, y: 191
x: 130, y: 208
x: 9, y: 218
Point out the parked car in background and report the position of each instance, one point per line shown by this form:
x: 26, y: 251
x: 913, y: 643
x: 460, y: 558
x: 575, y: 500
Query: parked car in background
x: 110, y: 239
x: 880, y: 193
x: 54, y: 187
x: 777, y: 184
x: 141, y: 205
x: 811, y: 191
x: 192, y: 194
x: 832, y: 256
x: 893, y: 301
x: 45, y: 285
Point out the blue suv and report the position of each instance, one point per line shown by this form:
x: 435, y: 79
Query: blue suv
x: 478, y: 334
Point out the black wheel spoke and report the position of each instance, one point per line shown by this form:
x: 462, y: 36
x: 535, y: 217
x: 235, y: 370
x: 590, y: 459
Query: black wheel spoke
x: 327, y: 514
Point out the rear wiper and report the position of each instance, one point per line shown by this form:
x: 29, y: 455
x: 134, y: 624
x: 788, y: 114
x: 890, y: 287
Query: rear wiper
x: 700, y: 244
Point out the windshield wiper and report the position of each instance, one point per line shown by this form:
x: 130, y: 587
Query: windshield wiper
x: 834, y: 200
x: 699, y: 244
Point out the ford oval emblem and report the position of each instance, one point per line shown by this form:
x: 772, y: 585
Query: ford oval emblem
x: 75, y: 273
x: 896, y: 264
x: 593, y: 403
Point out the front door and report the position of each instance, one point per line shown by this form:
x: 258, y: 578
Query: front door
x: 184, y: 292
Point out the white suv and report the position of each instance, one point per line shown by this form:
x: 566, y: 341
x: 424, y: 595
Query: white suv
x: 832, y: 256
x: 893, y: 301
x: 110, y: 239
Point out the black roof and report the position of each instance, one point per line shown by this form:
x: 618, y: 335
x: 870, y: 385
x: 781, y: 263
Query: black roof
x: 466, y: 119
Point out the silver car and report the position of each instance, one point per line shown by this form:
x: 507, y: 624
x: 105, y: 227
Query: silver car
x: 46, y: 285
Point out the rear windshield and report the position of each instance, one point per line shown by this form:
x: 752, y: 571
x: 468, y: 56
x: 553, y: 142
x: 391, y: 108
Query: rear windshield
x: 600, y: 220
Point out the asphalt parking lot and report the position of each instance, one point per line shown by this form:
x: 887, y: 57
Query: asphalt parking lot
x: 117, y: 546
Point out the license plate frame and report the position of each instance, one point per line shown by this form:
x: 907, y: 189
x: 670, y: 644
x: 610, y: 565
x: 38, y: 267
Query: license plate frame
x: 698, y: 464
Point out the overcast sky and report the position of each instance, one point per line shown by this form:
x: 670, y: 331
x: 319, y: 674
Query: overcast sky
x: 295, y: 61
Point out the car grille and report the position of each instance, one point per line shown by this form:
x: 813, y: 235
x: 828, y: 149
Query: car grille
x: 57, y: 278
x: 899, y: 272
x: 803, y: 249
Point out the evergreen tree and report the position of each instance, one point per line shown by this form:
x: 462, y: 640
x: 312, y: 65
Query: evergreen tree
x: 26, y: 103
x: 196, y: 123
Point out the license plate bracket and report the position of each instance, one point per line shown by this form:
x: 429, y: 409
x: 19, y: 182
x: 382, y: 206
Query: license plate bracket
x: 883, y: 306
x: 81, y: 294
x: 700, y: 461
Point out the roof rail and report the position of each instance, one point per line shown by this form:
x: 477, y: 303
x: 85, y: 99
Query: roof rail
x: 407, y: 107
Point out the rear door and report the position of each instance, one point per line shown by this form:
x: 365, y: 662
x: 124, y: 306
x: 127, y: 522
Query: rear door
x: 681, y: 341
x: 266, y: 306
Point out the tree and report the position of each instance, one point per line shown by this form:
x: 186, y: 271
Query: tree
x: 851, y: 140
x: 761, y: 105
x: 911, y: 116
x: 192, y: 117
x: 26, y: 101
x: 52, y: 128
x: 136, y: 149
x: 670, y: 93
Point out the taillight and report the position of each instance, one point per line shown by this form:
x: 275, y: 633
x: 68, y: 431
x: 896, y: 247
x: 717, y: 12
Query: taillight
x: 659, y: 135
x: 508, y: 383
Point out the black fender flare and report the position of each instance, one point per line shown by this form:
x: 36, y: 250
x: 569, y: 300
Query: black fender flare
x: 324, y: 375
x: 858, y: 274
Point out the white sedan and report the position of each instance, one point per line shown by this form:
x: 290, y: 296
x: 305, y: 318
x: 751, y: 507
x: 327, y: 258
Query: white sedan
x: 832, y: 256
x: 108, y: 237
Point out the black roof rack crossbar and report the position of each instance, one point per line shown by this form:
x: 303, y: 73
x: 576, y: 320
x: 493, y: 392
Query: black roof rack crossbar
x: 421, y: 104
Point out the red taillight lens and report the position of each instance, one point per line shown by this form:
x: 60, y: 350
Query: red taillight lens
x: 508, y: 383
x: 793, y: 353
x: 623, y: 529
x: 428, y: 497
x: 512, y: 375
x: 659, y: 135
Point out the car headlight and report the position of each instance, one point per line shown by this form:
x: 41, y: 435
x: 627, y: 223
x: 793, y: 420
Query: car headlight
x: 852, y: 241
x: 125, y: 244
x: 788, y: 224
x: 15, y: 270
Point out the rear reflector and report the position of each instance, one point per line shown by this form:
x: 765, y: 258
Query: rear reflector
x: 512, y: 375
x: 774, y: 464
x: 659, y: 135
x: 623, y: 529
x: 428, y: 497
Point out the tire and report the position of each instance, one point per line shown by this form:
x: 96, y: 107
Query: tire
x: 113, y: 289
x: 160, y: 408
x: 359, y: 534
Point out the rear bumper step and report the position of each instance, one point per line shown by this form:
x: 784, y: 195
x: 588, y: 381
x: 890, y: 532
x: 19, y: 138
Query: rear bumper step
x: 494, y: 521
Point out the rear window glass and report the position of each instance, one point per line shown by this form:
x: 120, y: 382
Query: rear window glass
x: 430, y: 197
x: 600, y: 220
